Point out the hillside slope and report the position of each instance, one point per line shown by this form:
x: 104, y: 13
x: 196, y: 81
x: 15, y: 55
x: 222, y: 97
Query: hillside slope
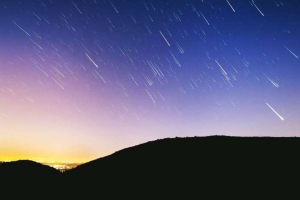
x: 192, y: 166
x: 26, y: 178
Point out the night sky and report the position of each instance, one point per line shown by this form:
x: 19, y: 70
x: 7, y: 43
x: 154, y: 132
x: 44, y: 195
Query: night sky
x: 84, y: 78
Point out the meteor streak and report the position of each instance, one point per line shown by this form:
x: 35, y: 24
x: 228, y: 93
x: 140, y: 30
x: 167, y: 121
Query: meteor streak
x: 91, y: 60
x: 165, y: 38
x: 275, y: 112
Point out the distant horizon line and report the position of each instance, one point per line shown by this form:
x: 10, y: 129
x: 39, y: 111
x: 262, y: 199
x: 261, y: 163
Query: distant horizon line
x: 52, y: 162
x: 43, y: 162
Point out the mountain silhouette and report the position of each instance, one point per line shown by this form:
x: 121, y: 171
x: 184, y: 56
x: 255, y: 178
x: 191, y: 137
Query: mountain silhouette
x: 26, y: 178
x: 182, y: 167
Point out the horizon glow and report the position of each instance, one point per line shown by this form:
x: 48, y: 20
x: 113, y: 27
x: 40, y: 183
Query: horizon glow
x: 80, y: 80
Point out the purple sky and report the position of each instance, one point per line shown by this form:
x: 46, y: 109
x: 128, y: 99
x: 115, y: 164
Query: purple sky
x: 81, y: 79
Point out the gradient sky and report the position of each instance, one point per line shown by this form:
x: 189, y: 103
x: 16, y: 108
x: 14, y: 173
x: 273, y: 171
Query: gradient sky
x: 84, y: 78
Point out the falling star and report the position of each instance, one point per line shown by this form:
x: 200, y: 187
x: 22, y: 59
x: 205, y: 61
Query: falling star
x: 275, y: 112
x: 230, y: 6
x: 258, y: 8
x: 291, y: 52
x: 91, y: 60
x: 21, y: 29
x: 165, y: 38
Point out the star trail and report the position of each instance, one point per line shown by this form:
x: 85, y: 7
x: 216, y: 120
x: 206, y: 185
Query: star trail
x: 81, y: 79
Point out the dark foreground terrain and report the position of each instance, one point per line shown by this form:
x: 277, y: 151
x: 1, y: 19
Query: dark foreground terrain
x: 199, y: 167
x: 26, y: 178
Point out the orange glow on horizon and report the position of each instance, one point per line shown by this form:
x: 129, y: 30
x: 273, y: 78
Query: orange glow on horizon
x: 14, y: 155
x: 43, y: 160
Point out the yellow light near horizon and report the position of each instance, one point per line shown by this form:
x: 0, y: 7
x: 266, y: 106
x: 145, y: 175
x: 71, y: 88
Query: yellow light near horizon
x: 39, y: 160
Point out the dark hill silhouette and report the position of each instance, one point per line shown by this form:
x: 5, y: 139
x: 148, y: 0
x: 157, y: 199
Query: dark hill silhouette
x: 179, y: 168
x: 169, y: 168
x: 26, y: 178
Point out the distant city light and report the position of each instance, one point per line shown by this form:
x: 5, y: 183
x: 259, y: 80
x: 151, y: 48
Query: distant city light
x: 61, y: 166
